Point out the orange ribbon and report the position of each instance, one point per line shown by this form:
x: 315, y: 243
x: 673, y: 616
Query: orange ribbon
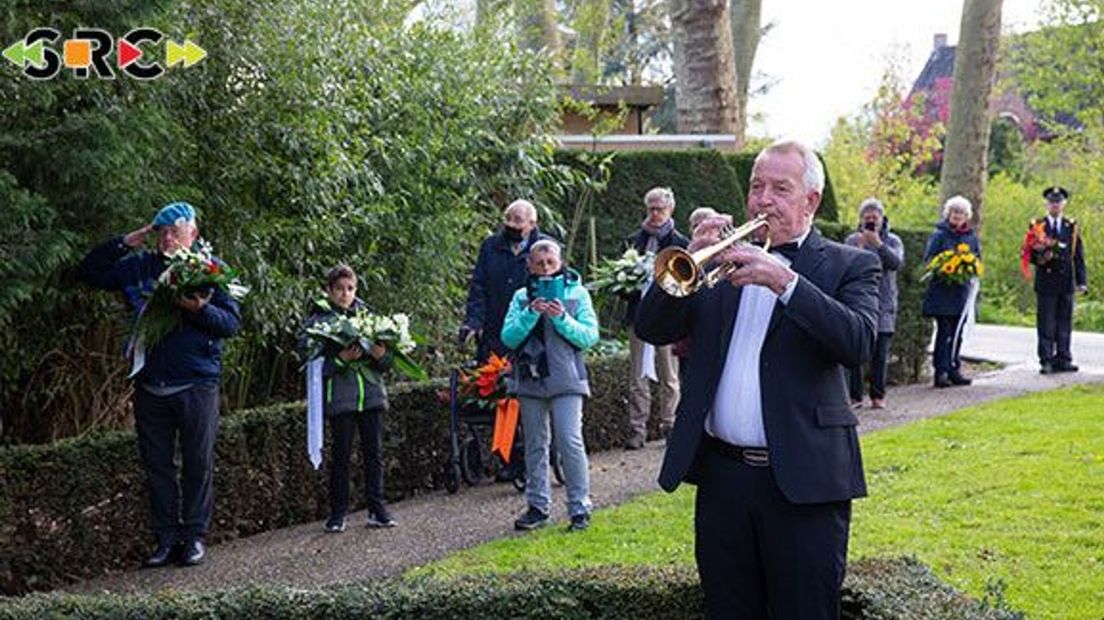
x: 505, y: 425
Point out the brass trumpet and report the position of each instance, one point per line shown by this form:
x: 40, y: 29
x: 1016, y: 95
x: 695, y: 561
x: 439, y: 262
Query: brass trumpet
x: 680, y: 273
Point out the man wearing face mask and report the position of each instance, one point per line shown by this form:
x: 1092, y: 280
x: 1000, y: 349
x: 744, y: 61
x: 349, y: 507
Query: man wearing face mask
x: 648, y: 362
x: 500, y: 270
x: 176, y: 392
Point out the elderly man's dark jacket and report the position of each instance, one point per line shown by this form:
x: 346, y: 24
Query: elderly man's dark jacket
x: 1061, y: 267
x: 827, y: 326
x: 192, y: 353
x: 498, y: 273
x: 639, y: 241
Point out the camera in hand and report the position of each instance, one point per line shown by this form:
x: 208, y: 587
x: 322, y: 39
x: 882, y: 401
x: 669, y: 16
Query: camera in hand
x: 868, y: 225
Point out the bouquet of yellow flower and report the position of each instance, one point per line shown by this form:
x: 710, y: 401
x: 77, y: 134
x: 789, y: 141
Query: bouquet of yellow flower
x: 955, y: 266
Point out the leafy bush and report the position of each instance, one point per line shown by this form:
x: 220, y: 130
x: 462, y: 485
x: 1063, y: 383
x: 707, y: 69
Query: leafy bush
x: 876, y: 589
x: 71, y: 509
x: 368, y: 140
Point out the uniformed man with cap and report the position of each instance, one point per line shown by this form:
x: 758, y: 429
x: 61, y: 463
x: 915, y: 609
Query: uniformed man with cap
x: 176, y: 388
x: 1055, y: 247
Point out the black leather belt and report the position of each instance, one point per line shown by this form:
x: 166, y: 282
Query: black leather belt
x: 753, y: 457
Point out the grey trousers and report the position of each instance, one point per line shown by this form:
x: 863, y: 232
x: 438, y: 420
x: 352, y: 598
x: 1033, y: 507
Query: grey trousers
x: 640, y: 392
x: 565, y: 413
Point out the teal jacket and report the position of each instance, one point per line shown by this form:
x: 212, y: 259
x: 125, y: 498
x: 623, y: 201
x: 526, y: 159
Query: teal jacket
x: 547, y: 354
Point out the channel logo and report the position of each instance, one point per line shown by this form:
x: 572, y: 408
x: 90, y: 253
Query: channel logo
x: 88, y: 54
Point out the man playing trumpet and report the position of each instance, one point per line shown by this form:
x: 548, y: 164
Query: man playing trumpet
x: 765, y: 429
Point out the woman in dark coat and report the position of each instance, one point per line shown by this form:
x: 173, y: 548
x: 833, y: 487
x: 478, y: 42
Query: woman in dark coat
x: 944, y: 301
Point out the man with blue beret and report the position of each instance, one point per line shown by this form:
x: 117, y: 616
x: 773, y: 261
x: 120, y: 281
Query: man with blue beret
x: 1055, y: 248
x: 176, y: 385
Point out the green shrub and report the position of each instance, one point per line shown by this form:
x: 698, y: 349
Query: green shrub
x: 73, y: 509
x: 874, y: 590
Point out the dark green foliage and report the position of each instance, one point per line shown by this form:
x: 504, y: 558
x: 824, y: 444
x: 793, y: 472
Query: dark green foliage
x: 390, y: 147
x: 77, y: 507
x: 900, y: 589
x: 908, y: 355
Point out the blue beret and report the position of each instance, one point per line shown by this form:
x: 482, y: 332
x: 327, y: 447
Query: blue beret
x: 174, y: 213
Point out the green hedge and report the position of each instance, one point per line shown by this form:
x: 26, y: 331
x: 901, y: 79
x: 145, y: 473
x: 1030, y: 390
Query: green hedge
x: 77, y: 508
x: 699, y: 178
x: 874, y: 589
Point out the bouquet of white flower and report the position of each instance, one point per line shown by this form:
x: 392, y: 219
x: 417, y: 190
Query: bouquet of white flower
x: 364, y: 329
x: 628, y: 273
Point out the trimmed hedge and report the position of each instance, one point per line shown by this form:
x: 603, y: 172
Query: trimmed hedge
x: 78, y: 508
x: 874, y: 589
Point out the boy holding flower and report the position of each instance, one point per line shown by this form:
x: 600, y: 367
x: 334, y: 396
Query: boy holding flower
x: 354, y: 400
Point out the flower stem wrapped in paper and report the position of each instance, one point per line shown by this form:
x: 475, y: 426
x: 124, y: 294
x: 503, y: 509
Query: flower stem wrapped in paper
x: 365, y: 329
x: 957, y: 266
x: 189, y: 272
x: 629, y: 273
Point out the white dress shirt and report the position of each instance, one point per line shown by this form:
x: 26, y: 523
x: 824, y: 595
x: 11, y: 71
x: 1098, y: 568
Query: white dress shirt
x: 737, y: 414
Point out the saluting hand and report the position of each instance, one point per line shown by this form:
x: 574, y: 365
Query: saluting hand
x: 136, y: 238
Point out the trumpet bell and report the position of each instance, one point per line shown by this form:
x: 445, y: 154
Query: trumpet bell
x: 680, y: 273
x: 676, y: 273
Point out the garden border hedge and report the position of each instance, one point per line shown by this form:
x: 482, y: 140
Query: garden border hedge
x: 77, y: 508
x: 874, y: 589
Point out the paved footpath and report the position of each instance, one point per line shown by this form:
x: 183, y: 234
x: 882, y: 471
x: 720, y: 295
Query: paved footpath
x: 435, y: 525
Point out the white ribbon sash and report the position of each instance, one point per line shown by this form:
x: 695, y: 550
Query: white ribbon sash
x: 314, y: 411
x: 966, y: 320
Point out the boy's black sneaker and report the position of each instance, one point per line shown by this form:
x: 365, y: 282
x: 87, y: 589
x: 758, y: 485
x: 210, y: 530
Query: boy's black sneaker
x: 380, y: 518
x: 579, y: 523
x: 531, y: 520
x: 335, y: 525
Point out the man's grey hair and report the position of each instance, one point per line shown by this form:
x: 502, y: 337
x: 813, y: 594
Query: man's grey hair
x: 662, y: 194
x: 522, y: 205
x: 813, y: 179
x: 871, y: 204
x: 545, y: 246
x: 958, y: 203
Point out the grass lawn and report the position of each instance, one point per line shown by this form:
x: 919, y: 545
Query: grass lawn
x: 1011, y: 491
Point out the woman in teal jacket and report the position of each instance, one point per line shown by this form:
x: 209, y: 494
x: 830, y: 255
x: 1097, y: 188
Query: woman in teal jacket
x: 548, y: 325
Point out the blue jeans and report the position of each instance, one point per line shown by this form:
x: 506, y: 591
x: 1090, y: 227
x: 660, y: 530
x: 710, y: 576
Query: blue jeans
x: 566, y: 416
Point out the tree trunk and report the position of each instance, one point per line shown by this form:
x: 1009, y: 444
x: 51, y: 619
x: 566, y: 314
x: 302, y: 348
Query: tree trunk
x: 744, y: 16
x: 964, y: 157
x: 537, y: 22
x: 705, y: 68
x: 591, y: 21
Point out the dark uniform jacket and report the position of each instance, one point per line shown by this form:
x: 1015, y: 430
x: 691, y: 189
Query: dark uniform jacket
x: 1061, y: 267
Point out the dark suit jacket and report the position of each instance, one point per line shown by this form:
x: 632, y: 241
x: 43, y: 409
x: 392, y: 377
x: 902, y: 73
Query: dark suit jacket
x: 828, y: 325
x: 1062, y: 267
